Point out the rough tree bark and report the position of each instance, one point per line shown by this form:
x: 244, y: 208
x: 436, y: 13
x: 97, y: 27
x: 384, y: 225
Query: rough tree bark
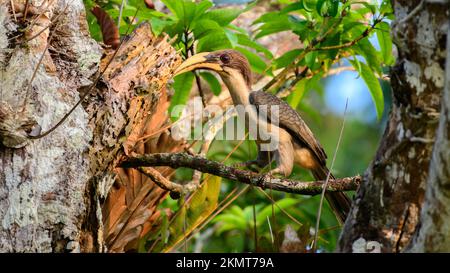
x: 433, y: 233
x: 52, y: 189
x: 387, y: 207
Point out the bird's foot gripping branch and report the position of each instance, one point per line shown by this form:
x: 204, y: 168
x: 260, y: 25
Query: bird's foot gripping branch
x: 177, y: 160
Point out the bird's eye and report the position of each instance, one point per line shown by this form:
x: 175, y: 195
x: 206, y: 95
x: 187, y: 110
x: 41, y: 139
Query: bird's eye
x: 225, y: 58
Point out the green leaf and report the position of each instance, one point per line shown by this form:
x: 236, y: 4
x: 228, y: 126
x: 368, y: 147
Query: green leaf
x: 244, y: 40
x: 276, y: 24
x: 269, y: 17
x: 332, y: 41
x: 175, y: 6
x: 238, y: 29
x: 182, y: 86
x: 203, y: 27
x: 297, y: 95
x: 299, y: 27
x: 175, y: 28
x: 310, y: 59
x: 374, y: 87
x: 232, y: 37
x: 384, y: 39
x: 256, y: 63
x: 357, y: 63
x: 319, y: 6
x: 349, y: 25
x: 184, y: 10
x: 308, y: 5
x: 386, y: 7
x: 372, y: 8
x: 267, y: 211
x: 213, y: 41
x: 368, y: 51
x: 222, y: 16
x: 333, y: 8
x: 293, y: 7
x: 200, y: 206
x: 127, y: 11
x: 236, y: 220
x: 212, y: 81
x: 327, y: 8
x: 201, y: 8
x: 158, y: 25
x: 287, y: 58
x: 189, y: 12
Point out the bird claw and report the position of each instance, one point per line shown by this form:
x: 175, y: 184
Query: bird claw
x: 277, y: 172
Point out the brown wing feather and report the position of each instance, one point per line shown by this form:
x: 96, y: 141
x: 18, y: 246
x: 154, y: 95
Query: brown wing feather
x: 291, y: 121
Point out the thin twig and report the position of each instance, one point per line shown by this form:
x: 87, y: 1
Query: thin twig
x: 30, y: 84
x: 351, y: 43
x: 411, y: 14
x: 270, y: 230
x: 120, y: 14
x: 197, y: 78
x: 325, y: 185
x: 200, y: 89
x: 32, y: 22
x: 280, y: 208
x: 165, y: 183
x: 13, y: 10
x: 255, y: 230
x: 25, y: 13
x: 45, y: 28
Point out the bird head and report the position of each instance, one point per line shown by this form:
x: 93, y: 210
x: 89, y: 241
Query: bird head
x: 227, y: 63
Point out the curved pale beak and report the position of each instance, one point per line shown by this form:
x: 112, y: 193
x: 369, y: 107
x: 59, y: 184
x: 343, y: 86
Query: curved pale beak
x: 198, y: 61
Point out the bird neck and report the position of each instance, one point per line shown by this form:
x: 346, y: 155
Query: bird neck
x: 238, y: 87
x: 258, y: 127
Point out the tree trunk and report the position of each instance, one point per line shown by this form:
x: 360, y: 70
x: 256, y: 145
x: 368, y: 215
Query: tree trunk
x: 52, y: 189
x: 386, y: 209
x: 433, y: 233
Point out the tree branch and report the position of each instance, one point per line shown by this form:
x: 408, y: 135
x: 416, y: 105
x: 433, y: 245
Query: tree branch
x: 351, y: 43
x: 177, y: 160
x: 166, y: 184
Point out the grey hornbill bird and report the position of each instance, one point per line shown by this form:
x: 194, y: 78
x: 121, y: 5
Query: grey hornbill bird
x: 296, y: 142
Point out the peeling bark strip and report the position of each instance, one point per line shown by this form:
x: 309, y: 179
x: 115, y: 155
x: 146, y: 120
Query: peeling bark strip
x: 132, y: 86
x: 52, y: 189
x: 146, y: 63
x: 177, y: 160
x: 387, y: 207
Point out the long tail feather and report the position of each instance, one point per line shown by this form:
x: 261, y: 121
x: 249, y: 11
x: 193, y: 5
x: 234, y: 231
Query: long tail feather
x: 339, y: 202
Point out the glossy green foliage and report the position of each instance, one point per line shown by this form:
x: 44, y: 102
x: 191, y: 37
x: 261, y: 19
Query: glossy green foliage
x: 333, y: 31
x: 339, y: 30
